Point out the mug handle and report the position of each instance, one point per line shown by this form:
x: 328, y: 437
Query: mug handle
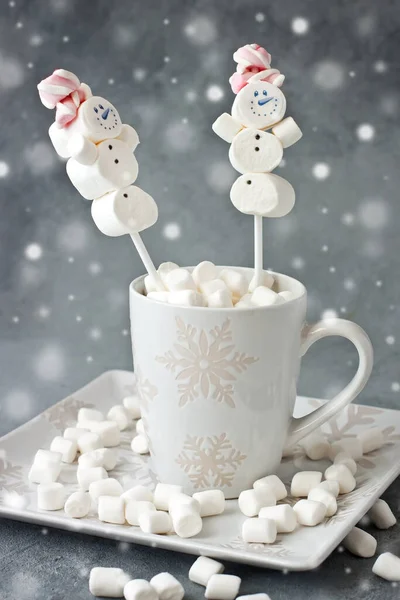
x: 301, y: 427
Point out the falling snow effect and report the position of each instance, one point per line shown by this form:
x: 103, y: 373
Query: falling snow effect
x: 180, y: 137
x: 49, y: 363
x: 200, y: 30
x: 374, y: 213
x: 18, y: 405
x: 214, y: 93
x: 220, y: 177
x: 4, y: 169
x: 321, y: 171
x: 172, y: 231
x: 73, y: 236
x: 365, y: 132
x: 300, y: 26
x: 329, y: 75
x: 11, y: 73
x: 40, y: 158
x: 33, y: 252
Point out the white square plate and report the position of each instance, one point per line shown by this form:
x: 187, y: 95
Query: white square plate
x: 304, y: 549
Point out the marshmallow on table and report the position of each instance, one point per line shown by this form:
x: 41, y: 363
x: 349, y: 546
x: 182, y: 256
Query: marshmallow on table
x: 283, y: 515
x: 320, y: 495
x: 387, y: 566
x: 88, y: 442
x: 344, y: 459
x: 74, y: 433
x: 259, y: 531
x: 273, y: 481
x: 203, y: 569
x: 89, y: 414
x: 167, y: 587
x: 50, y: 496
x: 360, y: 543
x: 179, y: 500
x: 252, y: 501
x: 119, y: 415
x: 316, y: 446
x: 163, y: 494
x: 132, y: 406
x: 350, y: 446
x: 381, y: 515
x: 220, y: 299
x: 222, y: 587
x: 255, y: 151
x: 102, y: 457
x: 158, y: 522
x: 303, y: 482
x: 105, y: 487
x: 186, y: 521
x: 330, y: 486
x: 67, y: 448
x: 139, y: 589
x: 46, y: 467
x: 138, y: 492
x: 77, y: 505
x: 343, y: 476
x: 180, y: 279
x: 267, y: 280
x: 226, y: 127
x: 309, y: 512
x: 123, y: 211
x: 235, y: 281
x: 140, y: 444
x: 259, y: 105
x: 288, y: 132
x: 262, y: 194
x: 107, y: 582
x: 212, y: 502
x: 108, y: 431
x: 204, y: 271
x: 263, y: 296
x: 86, y: 476
x: 371, y: 439
x: 134, y: 508
x: 111, y: 509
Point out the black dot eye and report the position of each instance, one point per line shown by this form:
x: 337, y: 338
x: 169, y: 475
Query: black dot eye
x: 101, y: 107
x: 116, y: 161
x: 125, y: 195
x: 248, y: 182
x: 265, y: 92
x: 256, y: 148
x: 257, y: 137
x: 95, y: 110
x: 110, y: 147
x: 255, y: 94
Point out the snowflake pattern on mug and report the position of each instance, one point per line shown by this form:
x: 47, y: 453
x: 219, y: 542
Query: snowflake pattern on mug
x: 205, y: 364
x: 210, y: 461
x: 146, y: 390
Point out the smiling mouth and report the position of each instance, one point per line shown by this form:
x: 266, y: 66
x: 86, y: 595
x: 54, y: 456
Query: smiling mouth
x: 265, y: 101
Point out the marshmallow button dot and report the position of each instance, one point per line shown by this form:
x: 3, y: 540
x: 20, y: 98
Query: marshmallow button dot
x: 139, y: 444
x: 119, y: 415
x: 309, y: 512
x: 222, y: 587
x: 381, y: 515
x: 134, y: 508
x: 105, y: 487
x: 212, y: 502
x: 303, y: 482
x: 155, y: 522
x: 67, y: 448
x: 186, y: 522
x: 77, y: 505
x: 343, y: 476
x: 107, y: 582
x: 132, y: 406
x: 50, y: 496
x: 111, y: 509
x: 203, y: 569
x: 316, y: 446
x: 360, y: 543
x: 387, y: 566
x: 88, y: 442
x: 86, y: 476
x: 277, y: 486
x: 344, y: 459
x: 167, y: 587
x: 139, y: 589
x: 164, y: 493
x: 138, y: 492
x: 283, y: 515
x: 252, y: 501
x: 326, y: 498
x: 259, y: 531
x: 371, y: 439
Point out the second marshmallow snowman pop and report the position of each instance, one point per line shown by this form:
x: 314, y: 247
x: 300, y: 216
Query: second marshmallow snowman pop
x: 259, y: 106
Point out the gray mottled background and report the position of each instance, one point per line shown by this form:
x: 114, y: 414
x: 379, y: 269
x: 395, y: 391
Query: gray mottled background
x: 165, y: 65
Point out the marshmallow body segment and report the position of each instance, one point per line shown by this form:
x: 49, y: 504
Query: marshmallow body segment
x: 262, y: 194
x: 259, y: 105
x: 255, y: 151
x: 128, y: 210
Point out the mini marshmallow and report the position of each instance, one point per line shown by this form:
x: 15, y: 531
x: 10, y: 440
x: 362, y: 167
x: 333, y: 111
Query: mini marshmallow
x: 138, y: 492
x: 326, y: 498
x: 275, y: 484
x: 222, y: 587
x: 371, y: 439
x: 267, y: 280
x: 119, y: 415
x: 316, y: 446
x: 387, y: 566
x: 89, y: 414
x: 50, y: 496
x: 180, y: 279
x: 164, y: 493
x: 262, y: 194
x: 343, y: 475
x: 139, y: 589
x: 344, y: 459
x: 259, y: 531
x: 283, y: 516
x: 186, y: 298
x: 159, y: 296
x: 140, y: 444
x: 102, y: 457
x: 288, y: 132
x: 381, y: 515
x: 255, y: 151
x: 303, y: 482
x: 209, y: 287
x: 88, y: 442
x: 107, y: 582
x: 132, y: 405
x: 105, y: 487
x: 167, y: 587
x: 235, y: 281
x: 111, y: 509
x: 67, y: 448
x: 155, y: 522
x: 179, y: 500
x: 186, y: 522
x: 86, y: 476
x: 74, y: 433
x: 203, y: 569
x: 47, y: 457
x: 205, y: 271
x: 309, y: 512
x: 77, y: 505
x: 330, y: 486
x: 46, y: 467
x: 134, y: 508
x: 351, y: 446
x: 108, y: 431
x: 140, y: 427
x: 226, y: 127
x: 263, y: 296
x: 220, y: 299
x: 244, y: 302
x: 252, y: 501
x: 212, y: 502
x: 360, y: 543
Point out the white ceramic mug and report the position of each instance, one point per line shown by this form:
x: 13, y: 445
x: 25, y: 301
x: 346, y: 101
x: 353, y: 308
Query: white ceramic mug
x: 218, y: 386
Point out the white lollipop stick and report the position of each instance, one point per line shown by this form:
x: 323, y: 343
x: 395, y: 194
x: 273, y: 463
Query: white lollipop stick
x: 258, y: 249
x: 148, y: 263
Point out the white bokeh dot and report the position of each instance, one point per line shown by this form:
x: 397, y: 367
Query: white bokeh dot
x: 180, y: 136
x: 4, y: 169
x: 321, y: 171
x: 73, y: 236
x: 139, y: 74
x: 95, y: 268
x: 390, y: 340
x: 200, y: 30
x: 373, y: 213
x: 18, y: 405
x: 328, y: 75
x: 380, y: 66
x: 220, y: 177
x: 348, y: 219
x: 298, y: 263
x: 395, y: 387
x: 300, y: 25
x: 12, y: 72
x: 260, y: 17
x: 329, y: 313
x: 33, y: 252
x: 365, y: 132
x: 40, y: 158
x: 214, y: 93
x: 349, y: 284
x: 172, y: 231
x: 49, y: 363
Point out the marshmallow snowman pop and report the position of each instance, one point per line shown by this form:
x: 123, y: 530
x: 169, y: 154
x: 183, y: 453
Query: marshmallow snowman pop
x: 259, y: 106
x: 101, y: 165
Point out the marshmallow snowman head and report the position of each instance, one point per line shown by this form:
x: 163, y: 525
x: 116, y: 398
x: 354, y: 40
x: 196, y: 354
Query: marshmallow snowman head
x: 259, y: 104
x: 97, y: 120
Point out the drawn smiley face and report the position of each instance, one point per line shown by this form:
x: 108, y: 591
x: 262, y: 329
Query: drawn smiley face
x: 100, y: 119
x: 260, y: 105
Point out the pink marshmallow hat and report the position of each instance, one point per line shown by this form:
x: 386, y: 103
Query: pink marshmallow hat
x: 253, y: 64
x: 63, y: 91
